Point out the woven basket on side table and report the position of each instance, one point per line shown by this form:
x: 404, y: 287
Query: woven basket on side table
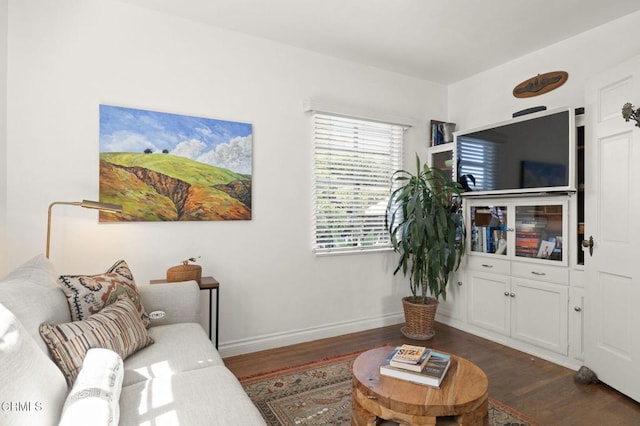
x: 184, y: 272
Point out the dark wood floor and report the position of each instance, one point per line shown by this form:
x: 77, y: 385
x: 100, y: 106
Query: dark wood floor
x: 537, y: 388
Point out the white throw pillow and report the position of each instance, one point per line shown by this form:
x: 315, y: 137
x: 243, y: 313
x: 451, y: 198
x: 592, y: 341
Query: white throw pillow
x: 95, y: 396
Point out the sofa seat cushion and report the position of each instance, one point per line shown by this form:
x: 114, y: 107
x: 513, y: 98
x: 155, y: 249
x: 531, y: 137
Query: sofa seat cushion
x: 177, y: 348
x: 209, y: 396
x: 117, y: 327
x: 32, y: 294
x: 32, y: 389
x: 88, y: 294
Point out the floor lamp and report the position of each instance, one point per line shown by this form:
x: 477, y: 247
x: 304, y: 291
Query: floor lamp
x: 106, y: 207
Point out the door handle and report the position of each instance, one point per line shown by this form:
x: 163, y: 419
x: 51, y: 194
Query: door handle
x: 588, y: 243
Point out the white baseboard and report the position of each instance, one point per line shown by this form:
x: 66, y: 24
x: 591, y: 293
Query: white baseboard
x: 277, y: 340
x: 547, y: 355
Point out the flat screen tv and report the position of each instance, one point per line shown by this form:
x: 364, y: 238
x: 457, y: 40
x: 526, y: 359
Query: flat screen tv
x: 529, y: 154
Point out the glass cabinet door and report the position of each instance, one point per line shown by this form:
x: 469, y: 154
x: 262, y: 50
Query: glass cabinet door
x: 540, y: 231
x: 519, y: 230
x: 442, y: 160
x: 489, y: 225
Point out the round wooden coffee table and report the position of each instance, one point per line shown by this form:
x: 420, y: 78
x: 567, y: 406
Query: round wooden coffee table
x: 463, y: 394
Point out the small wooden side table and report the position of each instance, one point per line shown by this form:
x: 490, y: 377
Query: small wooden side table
x: 206, y: 283
x: 463, y: 394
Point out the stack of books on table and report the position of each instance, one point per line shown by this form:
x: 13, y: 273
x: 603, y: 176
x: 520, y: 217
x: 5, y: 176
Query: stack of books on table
x: 427, y: 367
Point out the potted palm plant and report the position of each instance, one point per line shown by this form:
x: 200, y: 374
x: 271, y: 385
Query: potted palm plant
x: 426, y: 227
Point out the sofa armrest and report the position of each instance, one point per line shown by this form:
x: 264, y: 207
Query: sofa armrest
x: 179, y: 301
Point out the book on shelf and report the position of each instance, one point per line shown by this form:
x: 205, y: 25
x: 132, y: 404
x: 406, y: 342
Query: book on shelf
x: 410, y: 357
x: 527, y: 233
x: 526, y: 252
x: 527, y: 242
x: 486, y: 239
x: 432, y: 374
x: 437, y: 136
x: 558, y: 244
x: 532, y: 223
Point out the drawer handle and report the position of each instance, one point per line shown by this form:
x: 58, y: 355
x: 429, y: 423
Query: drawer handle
x: 484, y: 265
x: 540, y: 274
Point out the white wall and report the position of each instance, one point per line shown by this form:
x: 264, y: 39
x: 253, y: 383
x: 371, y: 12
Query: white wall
x: 67, y: 57
x: 3, y: 133
x: 487, y: 97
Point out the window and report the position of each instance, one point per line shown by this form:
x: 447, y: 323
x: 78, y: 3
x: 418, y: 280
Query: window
x: 353, y: 163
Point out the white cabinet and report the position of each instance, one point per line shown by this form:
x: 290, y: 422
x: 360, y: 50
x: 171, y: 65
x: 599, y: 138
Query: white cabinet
x: 454, y: 307
x: 489, y: 305
x: 576, y: 314
x: 539, y: 313
x: 530, y: 310
x: 576, y: 323
x: 517, y: 269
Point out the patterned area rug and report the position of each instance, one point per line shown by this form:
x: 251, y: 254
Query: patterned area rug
x: 320, y: 394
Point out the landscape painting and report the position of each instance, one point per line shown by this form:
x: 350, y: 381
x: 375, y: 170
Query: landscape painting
x: 170, y: 167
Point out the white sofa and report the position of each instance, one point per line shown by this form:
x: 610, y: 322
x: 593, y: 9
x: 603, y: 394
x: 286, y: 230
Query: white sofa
x: 180, y: 379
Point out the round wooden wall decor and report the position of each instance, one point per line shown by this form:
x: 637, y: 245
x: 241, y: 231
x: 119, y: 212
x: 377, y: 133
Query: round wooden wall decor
x: 540, y: 84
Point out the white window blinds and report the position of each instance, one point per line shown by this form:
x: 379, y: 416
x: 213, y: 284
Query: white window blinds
x: 353, y: 163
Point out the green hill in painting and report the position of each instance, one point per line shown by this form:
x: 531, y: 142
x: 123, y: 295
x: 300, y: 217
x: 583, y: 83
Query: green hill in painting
x: 163, y: 187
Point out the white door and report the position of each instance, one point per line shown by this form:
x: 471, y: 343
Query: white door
x: 612, y: 218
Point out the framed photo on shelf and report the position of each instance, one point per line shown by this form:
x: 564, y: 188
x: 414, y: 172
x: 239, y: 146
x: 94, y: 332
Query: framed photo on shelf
x: 546, y: 248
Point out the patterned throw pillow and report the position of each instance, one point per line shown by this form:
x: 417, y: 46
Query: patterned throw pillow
x: 117, y: 327
x: 88, y: 294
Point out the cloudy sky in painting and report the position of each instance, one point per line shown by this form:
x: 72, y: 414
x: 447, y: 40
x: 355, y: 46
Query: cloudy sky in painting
x: 216, y: 142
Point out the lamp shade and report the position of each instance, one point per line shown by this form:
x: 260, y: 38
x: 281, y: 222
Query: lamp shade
x: 115, y: 208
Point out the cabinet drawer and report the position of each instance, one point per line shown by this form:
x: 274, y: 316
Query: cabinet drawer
x: 553, y: 274
x: 487, y: 264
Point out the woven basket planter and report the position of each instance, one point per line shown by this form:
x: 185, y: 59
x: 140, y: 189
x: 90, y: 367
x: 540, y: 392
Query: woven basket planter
x: 184, y: 272
x: 419, y: 318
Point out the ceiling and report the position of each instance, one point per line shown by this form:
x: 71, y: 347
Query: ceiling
x: 443, y: 41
